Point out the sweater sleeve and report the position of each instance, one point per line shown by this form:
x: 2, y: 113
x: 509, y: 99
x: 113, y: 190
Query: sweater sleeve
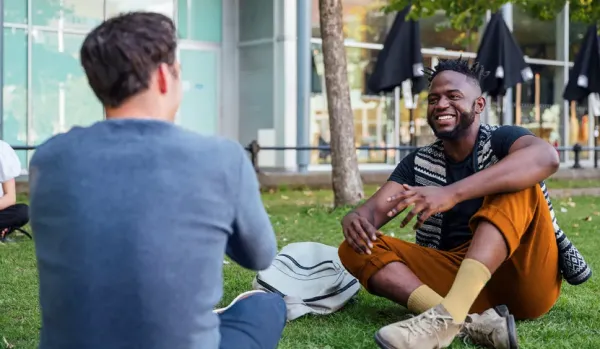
x: 252, y: 244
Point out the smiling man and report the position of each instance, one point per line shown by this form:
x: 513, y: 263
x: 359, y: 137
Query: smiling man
x: 487, y: 239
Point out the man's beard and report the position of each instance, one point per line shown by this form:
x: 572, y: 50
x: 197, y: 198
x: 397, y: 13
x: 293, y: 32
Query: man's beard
x: 465, y: 121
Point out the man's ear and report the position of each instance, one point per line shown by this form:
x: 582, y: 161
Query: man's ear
x: 480, y: 105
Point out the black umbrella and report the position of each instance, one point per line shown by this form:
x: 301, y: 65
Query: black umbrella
x: 502, y: 57
x: 584, y: 77
x: 400, y: 59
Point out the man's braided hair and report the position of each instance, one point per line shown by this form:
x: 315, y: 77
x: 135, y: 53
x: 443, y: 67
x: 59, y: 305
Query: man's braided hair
x: 459, y: 65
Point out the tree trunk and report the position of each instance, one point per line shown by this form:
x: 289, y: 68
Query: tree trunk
x: 346, y: 181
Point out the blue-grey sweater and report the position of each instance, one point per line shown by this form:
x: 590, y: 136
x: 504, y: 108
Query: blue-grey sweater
x: 132, y: 220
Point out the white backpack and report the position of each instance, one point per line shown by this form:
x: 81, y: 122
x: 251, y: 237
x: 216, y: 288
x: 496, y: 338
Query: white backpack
x: 310, y: 278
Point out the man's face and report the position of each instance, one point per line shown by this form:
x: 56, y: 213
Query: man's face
x: 454, y: 102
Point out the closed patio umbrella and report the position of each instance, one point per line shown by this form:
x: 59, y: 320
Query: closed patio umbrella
x: 502, y: 57
x: 584, y: 78
x: 400, y: 60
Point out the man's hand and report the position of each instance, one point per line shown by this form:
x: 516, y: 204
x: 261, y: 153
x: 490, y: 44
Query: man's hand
x: 427, y: 202
x: 359, y: 233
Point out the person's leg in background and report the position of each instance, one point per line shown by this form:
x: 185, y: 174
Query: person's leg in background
x: 255, y: 322
x: 13, y: 217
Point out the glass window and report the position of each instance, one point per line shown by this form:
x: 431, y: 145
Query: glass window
x: 536, y: 38
x: 15, y: 11
x: 62, y: 97
x: 256, y: 20
x: 541, y: 103
x: 14, y: 89
x: 256, y: 91
x: 363, y: 20
x: 373, y: 114
x: 115, y: 7
x: 71, y: 14
x: 200, y: 78
x: 200, y: 20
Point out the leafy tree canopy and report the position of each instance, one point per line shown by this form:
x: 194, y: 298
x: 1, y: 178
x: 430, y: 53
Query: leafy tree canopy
x: 466, y: 15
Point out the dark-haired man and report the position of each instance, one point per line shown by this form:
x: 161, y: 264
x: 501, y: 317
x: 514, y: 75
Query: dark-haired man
x: 133, y: 215
x: 487, y: 239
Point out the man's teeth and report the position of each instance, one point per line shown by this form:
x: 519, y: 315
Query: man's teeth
x: 445, y: 117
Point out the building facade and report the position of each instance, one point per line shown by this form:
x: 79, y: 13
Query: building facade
x: 252, y: 70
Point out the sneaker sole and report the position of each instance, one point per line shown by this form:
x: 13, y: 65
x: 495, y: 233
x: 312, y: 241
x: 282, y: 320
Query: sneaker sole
x: 513, y: 339
x: 381, y: 343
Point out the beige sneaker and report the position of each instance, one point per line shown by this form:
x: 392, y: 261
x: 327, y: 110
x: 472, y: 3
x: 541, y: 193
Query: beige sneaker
x: 432, y: 329
x: 495, y: 328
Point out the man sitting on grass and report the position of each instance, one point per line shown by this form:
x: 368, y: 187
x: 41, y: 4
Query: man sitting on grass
x: 133, y: 215
x: 487, y: 238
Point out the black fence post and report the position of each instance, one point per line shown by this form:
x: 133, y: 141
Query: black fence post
x: 577, y: 151
x: 254, y: 149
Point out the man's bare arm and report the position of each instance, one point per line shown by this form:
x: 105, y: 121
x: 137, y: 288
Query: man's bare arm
x: 529, y: 161
x: 375, y: 209
x: 10, y: 194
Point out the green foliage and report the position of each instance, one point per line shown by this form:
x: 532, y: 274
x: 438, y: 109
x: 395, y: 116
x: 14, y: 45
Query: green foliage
x: 583, y: 11
x: 466, y: 16
x: 463, y: 15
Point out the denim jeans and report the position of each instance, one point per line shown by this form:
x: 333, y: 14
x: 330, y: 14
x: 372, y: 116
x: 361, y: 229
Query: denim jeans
x: 255, y: 322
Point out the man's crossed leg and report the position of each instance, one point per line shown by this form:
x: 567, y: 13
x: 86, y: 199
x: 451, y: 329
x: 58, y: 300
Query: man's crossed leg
x: 511, y: 260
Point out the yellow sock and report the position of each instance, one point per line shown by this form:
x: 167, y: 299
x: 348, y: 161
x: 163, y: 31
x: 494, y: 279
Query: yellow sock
x: 470, y: 280
x: 423, y: 298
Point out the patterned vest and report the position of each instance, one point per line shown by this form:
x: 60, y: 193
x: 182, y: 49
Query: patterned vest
x: 430, y: 170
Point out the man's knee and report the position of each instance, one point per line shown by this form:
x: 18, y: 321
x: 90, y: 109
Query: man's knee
x: 268, y: 306
x: 515, y: 202
x: 348, y: 257
x: 258, y: 319
x: 511, y: 213
x: 22, y: 214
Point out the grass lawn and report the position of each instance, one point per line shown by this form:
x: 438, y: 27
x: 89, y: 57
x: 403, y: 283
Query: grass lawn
x: 573, y: 184
x: 306, y: 216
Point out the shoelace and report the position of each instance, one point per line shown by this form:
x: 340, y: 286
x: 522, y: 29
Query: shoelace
x: 476, y: 333
x: 426, y: 323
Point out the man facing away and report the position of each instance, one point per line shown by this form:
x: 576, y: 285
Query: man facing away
x: 487, y: 238
x: 133, y: 215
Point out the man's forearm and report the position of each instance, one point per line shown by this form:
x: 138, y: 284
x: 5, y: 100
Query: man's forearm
x: 368, y: 213
x: 520, y: 170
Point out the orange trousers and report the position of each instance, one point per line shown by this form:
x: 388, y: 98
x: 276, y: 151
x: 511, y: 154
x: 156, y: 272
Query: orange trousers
x: 528, y: 282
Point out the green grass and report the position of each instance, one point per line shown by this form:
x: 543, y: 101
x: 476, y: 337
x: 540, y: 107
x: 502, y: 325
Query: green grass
x: 552, y: 183
x: 306, y: 216
x: 573, y: 184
